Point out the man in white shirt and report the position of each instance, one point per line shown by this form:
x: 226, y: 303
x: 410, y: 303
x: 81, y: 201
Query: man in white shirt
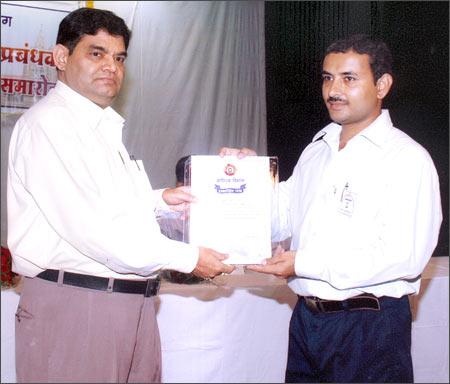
x: 81, y: 223
x: 363, y: 208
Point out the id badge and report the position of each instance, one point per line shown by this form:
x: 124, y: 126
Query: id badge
x: 347, y: 201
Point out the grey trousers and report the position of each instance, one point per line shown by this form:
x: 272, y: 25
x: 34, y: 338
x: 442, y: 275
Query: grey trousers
x: 71, y: 334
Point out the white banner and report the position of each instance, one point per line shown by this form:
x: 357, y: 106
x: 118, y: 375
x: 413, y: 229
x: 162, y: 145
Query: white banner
x: 28, y: 71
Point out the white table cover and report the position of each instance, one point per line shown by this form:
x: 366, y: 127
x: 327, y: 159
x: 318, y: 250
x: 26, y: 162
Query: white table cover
x: 229, y: 334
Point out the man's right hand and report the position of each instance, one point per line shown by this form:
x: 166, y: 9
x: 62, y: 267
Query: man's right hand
x: 210, y: 264
x: 240, y: 153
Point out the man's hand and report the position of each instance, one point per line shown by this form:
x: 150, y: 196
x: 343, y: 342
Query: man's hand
x: 282, y: 265
x: 178, y: 198
x: 240, y: 153
x: 210, y: 264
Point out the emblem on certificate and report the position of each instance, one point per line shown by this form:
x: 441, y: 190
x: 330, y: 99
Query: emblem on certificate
x: 234, y: 205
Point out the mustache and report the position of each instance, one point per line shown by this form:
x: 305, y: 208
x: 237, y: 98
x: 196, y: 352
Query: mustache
x: 335, y: 99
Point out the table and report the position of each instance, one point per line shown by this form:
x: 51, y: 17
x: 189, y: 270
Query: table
x: 224, y: 335
x: 430, y: 327
x: 227, y: 334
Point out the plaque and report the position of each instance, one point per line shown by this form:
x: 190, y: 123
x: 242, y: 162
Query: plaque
x: 235, y: 200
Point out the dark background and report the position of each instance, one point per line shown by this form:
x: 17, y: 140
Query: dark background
x: 297, y: 34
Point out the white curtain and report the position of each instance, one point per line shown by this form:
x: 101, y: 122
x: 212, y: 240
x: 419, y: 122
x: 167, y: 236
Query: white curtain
x: 195, y: 82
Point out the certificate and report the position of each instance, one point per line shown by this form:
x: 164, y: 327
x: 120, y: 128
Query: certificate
x: 232, y: 213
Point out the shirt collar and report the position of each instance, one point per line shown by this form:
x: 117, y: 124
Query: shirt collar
x: 329, y: 134
x: 376, y: 132
x: 85, y: 108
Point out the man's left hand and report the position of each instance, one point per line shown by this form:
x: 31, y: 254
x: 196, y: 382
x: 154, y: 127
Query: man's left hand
x: 240, y: 153
x: 281, y: 265
x: 178, y: 198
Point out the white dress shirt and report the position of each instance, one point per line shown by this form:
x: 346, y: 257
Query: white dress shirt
x: 77, y: 202
x: 363, y: 219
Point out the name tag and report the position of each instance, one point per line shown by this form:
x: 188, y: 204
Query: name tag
x: 346, y: 204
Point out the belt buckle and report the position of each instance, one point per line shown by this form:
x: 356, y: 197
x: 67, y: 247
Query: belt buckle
x: 319, y: 305
x: 315, y: 304
x: 152, y: 287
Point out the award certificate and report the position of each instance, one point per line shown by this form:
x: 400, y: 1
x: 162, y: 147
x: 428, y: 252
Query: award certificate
x: 232, y: 214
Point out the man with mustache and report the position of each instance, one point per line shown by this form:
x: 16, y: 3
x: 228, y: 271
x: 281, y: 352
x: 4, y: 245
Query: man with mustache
x: 81, y: 223
x: 363, y: 209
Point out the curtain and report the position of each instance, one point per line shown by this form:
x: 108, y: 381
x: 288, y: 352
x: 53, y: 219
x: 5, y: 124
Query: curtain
x: 195, y: 82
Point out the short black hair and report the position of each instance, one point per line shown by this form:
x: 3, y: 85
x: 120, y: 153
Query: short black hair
x: 88, y: 21
x: 380, y: 57
x: 179, y: 169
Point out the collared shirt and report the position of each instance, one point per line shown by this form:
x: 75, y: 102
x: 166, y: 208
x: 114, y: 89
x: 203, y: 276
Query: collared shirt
x: 364, y: 219
x: 77, y: 202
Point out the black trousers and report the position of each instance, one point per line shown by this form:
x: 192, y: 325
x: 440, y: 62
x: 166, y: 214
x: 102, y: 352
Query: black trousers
x: 351, y: 346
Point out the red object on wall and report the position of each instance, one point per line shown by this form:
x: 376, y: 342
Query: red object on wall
x: 7, y: 274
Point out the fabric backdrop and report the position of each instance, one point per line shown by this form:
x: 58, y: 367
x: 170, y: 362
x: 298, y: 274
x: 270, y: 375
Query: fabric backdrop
x: 195, y: 82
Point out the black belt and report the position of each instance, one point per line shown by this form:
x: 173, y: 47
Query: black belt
x: 365, y: 301
x: 147, y: 288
